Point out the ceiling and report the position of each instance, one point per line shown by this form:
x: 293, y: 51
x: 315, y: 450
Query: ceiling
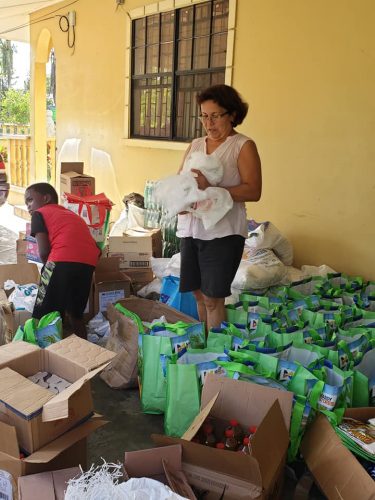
x: 15, y: 14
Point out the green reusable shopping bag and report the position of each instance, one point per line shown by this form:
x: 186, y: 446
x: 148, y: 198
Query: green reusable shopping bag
x: 218, y: 340
x: 185, y: 376
x: 43, y: 332
x: 302, y: 414
x: 182, y: 398
x: 361, y: 390
x: 154, y: 384
x: 263, y: 364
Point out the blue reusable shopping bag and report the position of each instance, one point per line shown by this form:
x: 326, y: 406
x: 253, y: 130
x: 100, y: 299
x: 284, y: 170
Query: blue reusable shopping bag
x: 171, y: 295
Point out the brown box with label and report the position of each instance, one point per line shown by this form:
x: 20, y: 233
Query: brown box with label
x: 74, y: 181
x: 110, y: 284
x: 136, y: 247
x: 39, y: 415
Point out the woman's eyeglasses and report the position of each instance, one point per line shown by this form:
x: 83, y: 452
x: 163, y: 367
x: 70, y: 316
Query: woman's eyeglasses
x: 213, y: 118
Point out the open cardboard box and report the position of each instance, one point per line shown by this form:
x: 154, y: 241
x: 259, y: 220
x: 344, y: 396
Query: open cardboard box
x: 135, y: 247
x: 38, y: 415
x: 46, y: 485
x: 68, y: 450
x: 22, y: 274
x: 110, y: 284
x: 336, y: 469
x: 257, y: 476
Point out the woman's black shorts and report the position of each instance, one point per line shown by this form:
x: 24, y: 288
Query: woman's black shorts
x: 210, y: 265
x: 64, y: 287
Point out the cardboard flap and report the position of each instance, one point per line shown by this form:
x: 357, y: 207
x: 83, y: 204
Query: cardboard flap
x: 237, y: 397
x: 149, y: 463
x: 334, y: 467
x: 58, y: 407
x: 22, y: 274
x: 148, y: 310
x: 72, y: 166
x: 21, y: 394
x: 270, y: 443
x: 15, y: 350
x: 224, y: 462
x: 177, y: 481
x: 199, y: 419
x: 8, y: 441
x: 53, y: 449
x: 81, y: 352
x: 46, y: 485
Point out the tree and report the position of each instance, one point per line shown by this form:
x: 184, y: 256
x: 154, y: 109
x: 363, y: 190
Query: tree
x: 15, y: 107
x: 6, y: 65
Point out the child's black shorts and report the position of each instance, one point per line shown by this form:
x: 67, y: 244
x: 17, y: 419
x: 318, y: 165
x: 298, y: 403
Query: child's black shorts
x: 64, y: 287
x: 210, y: 265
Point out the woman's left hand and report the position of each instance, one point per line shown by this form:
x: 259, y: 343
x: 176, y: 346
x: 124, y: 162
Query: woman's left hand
x: 202, y: 181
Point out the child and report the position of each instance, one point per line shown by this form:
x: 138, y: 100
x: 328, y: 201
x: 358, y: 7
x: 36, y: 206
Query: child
x: 68, y: 252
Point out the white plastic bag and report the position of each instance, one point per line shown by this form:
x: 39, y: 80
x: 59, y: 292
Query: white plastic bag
x: 121, y: 224
x: 210, y: 166
x: 261, y: 270
x: 266, y: 236
x: 136, y: 216
x: 98, y: 329
x: 177, y: 192
x: 23, y: 296
x: 213, y: 209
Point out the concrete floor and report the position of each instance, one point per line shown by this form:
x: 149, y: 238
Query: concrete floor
x: 128, y: 428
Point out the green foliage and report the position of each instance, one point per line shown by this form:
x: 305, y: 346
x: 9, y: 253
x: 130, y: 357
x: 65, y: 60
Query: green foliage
x: 15, y: 107
x: 6, y: 64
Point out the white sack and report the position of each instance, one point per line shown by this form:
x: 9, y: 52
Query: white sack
x: 267, y: 236
x: 262, y: 269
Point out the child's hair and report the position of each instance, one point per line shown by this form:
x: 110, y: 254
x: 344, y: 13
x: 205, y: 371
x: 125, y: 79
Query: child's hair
x: 45, y: 188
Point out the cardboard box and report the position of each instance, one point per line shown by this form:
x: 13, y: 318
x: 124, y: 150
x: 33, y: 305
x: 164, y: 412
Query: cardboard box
x: 21, y: 246
x: 69, y: 450
x: 73, y: 180
x: 46, y: 485
x: 22, y: 274
x: 261, y: 474
x: 136, y: 247
x: 139, y: 277
x: 335, y: 469
x: 110, y: 284
x: 161, y: 464
x: 39, y: 415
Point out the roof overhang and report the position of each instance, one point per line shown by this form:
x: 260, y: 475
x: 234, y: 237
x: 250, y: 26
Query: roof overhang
x: 15, y: 17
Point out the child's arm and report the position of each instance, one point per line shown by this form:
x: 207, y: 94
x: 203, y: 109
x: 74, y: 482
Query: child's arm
x: 44, y: 247
x: 39, y: 230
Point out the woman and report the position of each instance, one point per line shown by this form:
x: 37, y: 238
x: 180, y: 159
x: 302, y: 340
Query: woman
x: 210, y: 259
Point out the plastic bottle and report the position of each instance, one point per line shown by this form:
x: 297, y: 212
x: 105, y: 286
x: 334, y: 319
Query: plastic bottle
x: 230, y: 440
x: 209, y: 436
x: 237, y: 429
x: 245, y: 447
x: 220, y: 446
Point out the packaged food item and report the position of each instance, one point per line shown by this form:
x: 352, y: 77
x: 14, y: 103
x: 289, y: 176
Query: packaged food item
x: 230, y: 440
x: 245, y: 447
x: 209, y: 436
x: 237, y: 430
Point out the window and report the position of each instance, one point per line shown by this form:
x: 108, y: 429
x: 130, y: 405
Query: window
x: 176, y: 54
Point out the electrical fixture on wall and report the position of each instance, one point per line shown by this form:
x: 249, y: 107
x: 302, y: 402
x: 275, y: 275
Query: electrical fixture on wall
x: 119, y: 2
x: 67, y: 25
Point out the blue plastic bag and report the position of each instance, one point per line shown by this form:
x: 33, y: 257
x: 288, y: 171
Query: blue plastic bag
x: 170, y: 294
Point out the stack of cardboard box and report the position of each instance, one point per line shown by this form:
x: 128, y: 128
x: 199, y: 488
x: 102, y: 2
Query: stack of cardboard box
x: 135, y: 248
x: 40, y: 431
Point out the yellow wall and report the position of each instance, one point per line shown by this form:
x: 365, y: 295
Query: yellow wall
x: 306, y: 69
